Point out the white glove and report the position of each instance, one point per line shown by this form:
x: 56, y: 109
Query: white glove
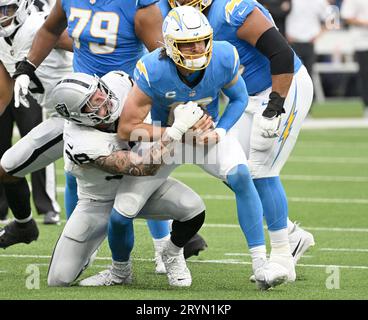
x: 185, y: 116
x: 270, y: 127
x: 21, y: 90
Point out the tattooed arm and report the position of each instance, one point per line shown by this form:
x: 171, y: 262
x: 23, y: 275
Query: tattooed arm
x: 132, y: 164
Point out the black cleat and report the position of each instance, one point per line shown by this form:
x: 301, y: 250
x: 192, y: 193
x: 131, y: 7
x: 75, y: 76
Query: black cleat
x: 15, y: 232
x: 194, y: 245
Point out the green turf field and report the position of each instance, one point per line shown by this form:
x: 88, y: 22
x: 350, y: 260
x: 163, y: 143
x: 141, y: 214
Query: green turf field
x: 326, y: 179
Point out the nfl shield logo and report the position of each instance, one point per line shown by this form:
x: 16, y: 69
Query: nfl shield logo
x: 192, y: 93
x: 92, y: 1
x: 62, y: 110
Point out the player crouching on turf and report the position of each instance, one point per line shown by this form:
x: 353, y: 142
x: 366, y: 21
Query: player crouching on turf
x: 95, y: 155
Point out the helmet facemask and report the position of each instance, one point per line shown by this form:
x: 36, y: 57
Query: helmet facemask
x: 198, y: 4
x: 185, y: 25
x: 13, y: 13
x: 95, y: 102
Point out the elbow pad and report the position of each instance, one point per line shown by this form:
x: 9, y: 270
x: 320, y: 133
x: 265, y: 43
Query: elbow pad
x: 275, y: 47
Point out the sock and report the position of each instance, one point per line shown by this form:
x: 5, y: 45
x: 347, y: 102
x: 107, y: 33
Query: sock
x: 280, y: 242
x: 19, y: 201
x: 70, y: 195
x: 158, y: 229
x: 118, y: 268
x: 160, y: 243
x: 172, y: 249
x: 258, y: 255
x: 248, y: 204
x: 120, y: 236
x: 290, y: 226
x: 274, y: 202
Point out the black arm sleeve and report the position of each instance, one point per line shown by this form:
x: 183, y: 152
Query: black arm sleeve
x: 275, y: 47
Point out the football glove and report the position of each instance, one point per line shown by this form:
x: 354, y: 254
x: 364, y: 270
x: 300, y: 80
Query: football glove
x: 24, y: 75
x: 186, y: 115
x: 271, y: 116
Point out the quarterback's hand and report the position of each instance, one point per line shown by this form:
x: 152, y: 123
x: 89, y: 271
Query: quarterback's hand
x: 21, y: 90
x: 186, y: 115
x: 271, y: 116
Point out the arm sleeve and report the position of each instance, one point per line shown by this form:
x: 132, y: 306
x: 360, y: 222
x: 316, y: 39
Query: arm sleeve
x: 238, y: 96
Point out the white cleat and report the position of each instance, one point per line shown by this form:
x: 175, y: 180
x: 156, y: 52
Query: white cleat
x: 159, y: 264
x: 109, y: 278
x: 300, y: 241
x: 270, y: 275
x: 178, y: 273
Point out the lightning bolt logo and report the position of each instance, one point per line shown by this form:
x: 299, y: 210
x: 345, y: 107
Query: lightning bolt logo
x: 229, y: 8
x: 288, y: 126
x: 142, y: 70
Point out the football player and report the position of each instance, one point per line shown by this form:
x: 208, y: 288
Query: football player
x: 19, y: 22
x: 192, y: 68
x: 281, y: 94
x: 107, y: 35
x: 99, y: 159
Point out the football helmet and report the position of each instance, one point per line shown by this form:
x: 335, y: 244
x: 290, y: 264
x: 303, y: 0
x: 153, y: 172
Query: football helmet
x: 198, y: 4
x: 186, y: 24
x: 73, y: 94
x: 15, y: 12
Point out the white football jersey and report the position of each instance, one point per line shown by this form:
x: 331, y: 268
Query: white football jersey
x: 83, y: 144
x: 56, y: 65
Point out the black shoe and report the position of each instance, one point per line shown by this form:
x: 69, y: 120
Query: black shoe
x: 194, y: 245
x: 16, y: 232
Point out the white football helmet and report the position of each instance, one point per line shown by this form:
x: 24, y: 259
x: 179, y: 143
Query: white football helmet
x: 198, y: 4
x: 15, y: 12
x: 186, y: 24
x: 73, y: 93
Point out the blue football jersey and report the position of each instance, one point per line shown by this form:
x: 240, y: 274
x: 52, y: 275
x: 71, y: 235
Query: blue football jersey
x: 226, y: 17
x: 103, y: 34
x: 158, y: 78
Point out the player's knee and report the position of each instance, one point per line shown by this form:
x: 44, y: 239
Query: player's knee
x: 190, y: 205
x: 7, y: 178
x: 129, y: 205
x: 59, y: 276
x: 239, y: 178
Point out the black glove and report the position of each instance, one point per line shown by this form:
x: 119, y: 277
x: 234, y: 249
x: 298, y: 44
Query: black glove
x: 275, y: 106
x: 27, y: 68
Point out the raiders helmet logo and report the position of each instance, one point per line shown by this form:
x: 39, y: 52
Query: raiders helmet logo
x: 62, y: 110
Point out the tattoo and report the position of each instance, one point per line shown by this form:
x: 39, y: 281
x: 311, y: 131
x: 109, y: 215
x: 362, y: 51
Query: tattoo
x: 132, y: 164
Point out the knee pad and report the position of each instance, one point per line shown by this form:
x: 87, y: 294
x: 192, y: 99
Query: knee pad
x: 78, y: 229
x: 129, y: 205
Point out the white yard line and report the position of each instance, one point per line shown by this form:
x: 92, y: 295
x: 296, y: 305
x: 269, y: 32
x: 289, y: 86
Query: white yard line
x: 235, y: 254
x: 224, y: 261
x: 349, y: 250
x: 331, y: 123
x: 330, y: 160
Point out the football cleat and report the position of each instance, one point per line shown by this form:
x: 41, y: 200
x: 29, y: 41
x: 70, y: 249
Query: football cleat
x: 15, y: 232
x: 159, y: 264
x: 300, y: 241
x: 194, y: 246
x: 178, y: 273
x: 110, y: 277
x: 270, y: 275
x: 51, y: 217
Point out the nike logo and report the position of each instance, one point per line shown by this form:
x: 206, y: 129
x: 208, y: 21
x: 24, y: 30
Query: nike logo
x: 296, y: 248
x: 70, y: 146
x: 2, y: 232
x: 264, y: 103
x: 240, y: 13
